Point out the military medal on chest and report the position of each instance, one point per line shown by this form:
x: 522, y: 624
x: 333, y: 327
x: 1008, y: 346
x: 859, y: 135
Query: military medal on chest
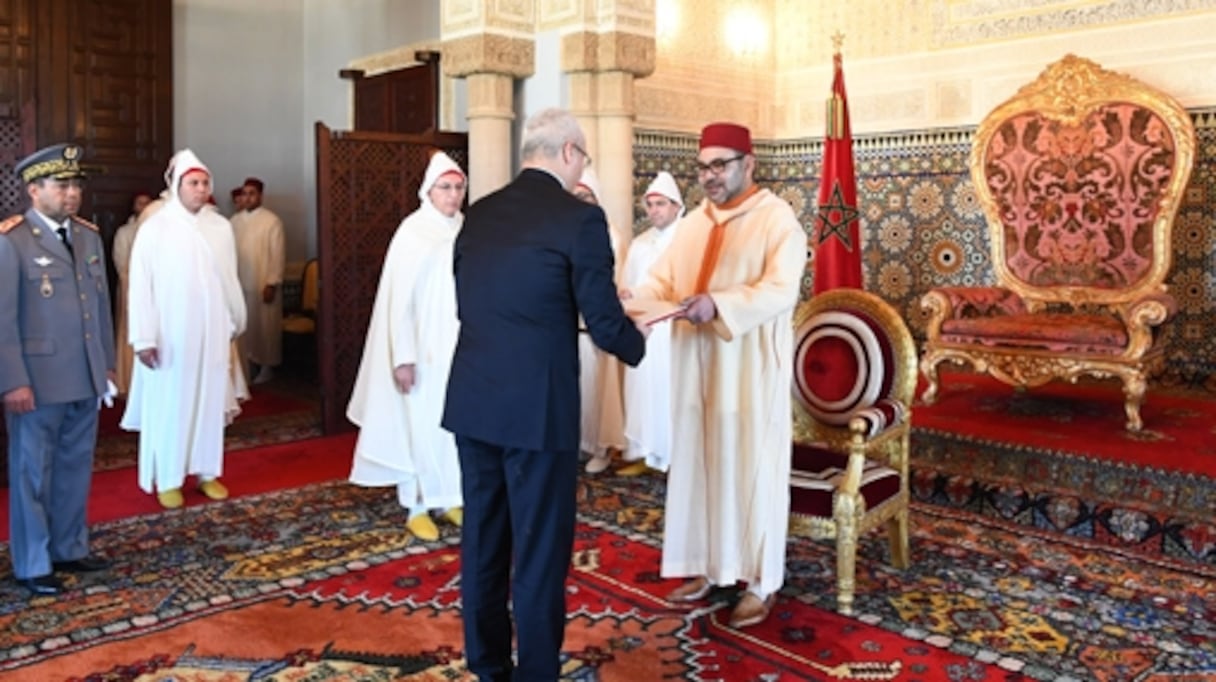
x: 46, y: 288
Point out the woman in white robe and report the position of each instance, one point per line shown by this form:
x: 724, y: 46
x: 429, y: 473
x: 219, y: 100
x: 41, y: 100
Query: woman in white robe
x: 185, y: 307
x: 399, y: 392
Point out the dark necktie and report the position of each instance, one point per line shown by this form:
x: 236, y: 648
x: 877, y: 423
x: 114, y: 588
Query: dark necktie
x: 63, y: 237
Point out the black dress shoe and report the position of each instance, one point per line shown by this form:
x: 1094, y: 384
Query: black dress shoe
x: 43, y: 584
x: 86, y: 564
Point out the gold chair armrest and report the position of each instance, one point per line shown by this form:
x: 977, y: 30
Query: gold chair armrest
x: 1142, y: 316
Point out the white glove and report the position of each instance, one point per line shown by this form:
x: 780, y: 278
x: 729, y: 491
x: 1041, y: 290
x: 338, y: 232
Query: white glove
x: 110, y: 394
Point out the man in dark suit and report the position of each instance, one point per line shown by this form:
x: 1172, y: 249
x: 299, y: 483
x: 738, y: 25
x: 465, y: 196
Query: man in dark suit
x: 529, y: 260
x: 56, y: 354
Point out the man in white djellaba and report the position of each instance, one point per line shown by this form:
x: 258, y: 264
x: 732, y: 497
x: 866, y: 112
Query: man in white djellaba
x: 399, y: 391
x: 735, y: 267
x: 261, y: 248
x: 602, y: 424
x: 184, y: 309
x: 647, y: 387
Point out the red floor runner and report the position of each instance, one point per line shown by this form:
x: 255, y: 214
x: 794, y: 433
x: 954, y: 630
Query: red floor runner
x: 116, y: 493
x: 1084, y: 420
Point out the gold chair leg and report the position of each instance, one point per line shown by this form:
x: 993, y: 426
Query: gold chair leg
x: 928, y: 367
x: 897, y: 533
x: 1133, y: 388
x: 846, y: 564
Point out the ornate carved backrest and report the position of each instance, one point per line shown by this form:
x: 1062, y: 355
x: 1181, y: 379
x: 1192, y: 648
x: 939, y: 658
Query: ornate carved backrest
x: 1080, y: 175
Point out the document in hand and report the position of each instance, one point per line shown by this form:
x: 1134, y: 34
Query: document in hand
x: 652, y: 312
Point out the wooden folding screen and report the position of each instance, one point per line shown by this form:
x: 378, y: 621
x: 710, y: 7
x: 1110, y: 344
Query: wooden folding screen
x: 366, y: 183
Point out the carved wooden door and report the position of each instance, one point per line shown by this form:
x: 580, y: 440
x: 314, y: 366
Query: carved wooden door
x: 109, y: 65
x: 366, y: 183
x: 401, y: 101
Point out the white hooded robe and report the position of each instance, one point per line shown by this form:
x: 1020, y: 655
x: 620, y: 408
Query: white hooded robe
x: 184, y: 300
x: 413, y: 322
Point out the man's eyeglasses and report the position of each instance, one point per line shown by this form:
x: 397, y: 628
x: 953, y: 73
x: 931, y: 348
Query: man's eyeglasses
x: 716, y: 166
x: 586, y: 156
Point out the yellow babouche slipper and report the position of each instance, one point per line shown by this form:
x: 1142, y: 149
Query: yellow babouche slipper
x: 213, y: 489
x: 170, y: 499
x: 423, y: 527
x: 634, y: 468
x: 455, y: 516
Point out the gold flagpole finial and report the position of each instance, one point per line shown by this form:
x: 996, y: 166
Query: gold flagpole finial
x: 837, y: 41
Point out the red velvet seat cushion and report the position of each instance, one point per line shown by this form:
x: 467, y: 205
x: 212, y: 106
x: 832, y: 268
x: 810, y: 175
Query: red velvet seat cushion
x: 816, y: 476
x: 1051, y: 331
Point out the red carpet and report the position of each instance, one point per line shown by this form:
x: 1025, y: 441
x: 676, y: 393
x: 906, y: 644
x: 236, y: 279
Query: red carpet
x: 116, y: 493
x: 1084, y: 420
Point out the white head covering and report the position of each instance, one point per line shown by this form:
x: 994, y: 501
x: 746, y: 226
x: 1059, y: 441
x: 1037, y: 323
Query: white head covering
x: 591, y: 181
x: 665, y: 185
x: 183, y: 162
x: 441, y: 164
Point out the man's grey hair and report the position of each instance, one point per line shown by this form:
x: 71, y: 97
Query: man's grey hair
x: 547, y: 131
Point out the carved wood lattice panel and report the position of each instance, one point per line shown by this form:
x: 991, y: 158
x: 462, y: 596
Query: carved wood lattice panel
x: 367, y: 183
x: 12, y: 194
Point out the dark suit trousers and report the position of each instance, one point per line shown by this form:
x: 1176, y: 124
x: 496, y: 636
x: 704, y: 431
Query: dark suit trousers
x: 50, y: 467
x: 518, y: 504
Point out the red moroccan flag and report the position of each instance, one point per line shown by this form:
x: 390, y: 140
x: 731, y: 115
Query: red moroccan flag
x: 837, y: 230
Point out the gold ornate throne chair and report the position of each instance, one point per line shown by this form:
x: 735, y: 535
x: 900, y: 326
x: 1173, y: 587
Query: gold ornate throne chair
x: 1080, y: 175
x: 854, y: 379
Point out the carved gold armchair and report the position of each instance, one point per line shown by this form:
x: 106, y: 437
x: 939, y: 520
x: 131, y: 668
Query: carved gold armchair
x: 1080, y: 175
x: 854, y: 378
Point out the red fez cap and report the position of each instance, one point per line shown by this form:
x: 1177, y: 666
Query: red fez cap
x: 254, y: 182
x: 729, y: 135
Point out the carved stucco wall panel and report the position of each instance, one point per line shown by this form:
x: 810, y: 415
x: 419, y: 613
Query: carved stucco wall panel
x: 471, y: 17
x: 630, y: 16
x: 918, y: 63
x: 489, y: 53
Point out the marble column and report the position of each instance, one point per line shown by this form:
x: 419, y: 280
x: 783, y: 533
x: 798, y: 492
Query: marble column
x: 490, y: 114
x: 582, y: 103
x: 614, y: 160
x: 602, y: 68
x: 490, y: 63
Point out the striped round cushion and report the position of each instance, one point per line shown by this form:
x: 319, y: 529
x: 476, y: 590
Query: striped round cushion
x: 842, y: 370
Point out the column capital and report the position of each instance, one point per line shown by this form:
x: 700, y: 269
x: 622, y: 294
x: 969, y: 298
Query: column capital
x: 608, y: 51
x: 489, y: 53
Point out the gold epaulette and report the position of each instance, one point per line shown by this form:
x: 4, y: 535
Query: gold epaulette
x: 10, y: 223
x: 86, y: 223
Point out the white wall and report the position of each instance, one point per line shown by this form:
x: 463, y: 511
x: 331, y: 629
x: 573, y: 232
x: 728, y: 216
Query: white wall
x: 252, y: 78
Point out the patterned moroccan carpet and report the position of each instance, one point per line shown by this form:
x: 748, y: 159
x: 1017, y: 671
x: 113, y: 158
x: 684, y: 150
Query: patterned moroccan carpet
x: 1048, y: 544
x: 1058, y: 458
x: 322, y: 583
